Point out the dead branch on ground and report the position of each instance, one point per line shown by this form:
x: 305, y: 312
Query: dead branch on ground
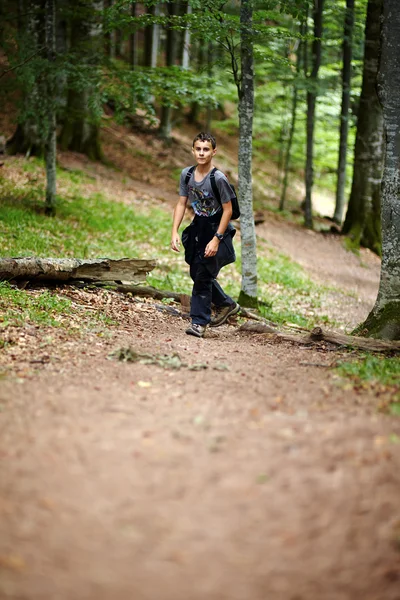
x: 317, y: 335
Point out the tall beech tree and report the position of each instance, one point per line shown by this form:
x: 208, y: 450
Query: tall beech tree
x: 29, y: 138
x: 248, y: 293
x: 344, y: 114
x: 312, y: 93
x: 50, y: 146
x: 384, y: 320
x: 171, y: 53
x: 363, y: 218
x: 80, y: 131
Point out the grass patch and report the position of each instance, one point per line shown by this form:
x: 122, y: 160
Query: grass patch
x: 18, y: 307
x: 370, y: 367
x: 379, y: 373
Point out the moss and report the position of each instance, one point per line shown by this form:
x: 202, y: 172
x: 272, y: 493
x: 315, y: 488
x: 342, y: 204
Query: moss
x: 247, y: 301
x: 383, y: 323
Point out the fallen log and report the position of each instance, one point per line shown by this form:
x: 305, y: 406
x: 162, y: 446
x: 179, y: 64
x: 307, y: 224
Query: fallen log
x: 74, y: 269
x: 317, y: 335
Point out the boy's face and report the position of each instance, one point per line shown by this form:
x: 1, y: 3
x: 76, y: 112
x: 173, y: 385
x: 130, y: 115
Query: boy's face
x: 203, y: 152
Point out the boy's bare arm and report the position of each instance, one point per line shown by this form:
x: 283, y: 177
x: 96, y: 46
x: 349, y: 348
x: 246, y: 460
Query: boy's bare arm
x: 179, y: 213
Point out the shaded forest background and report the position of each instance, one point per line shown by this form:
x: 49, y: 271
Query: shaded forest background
x: 152, y: 65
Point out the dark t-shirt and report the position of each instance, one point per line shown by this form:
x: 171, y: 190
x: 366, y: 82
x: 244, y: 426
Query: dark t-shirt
x: 200, y: 193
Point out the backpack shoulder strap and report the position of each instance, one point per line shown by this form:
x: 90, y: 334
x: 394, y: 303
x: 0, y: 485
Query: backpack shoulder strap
x: 189, y: 174
x: 214, y: 185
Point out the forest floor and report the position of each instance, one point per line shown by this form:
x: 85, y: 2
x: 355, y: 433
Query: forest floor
x: 242, y: 469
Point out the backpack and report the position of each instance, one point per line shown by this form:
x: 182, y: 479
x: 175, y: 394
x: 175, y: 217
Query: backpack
x: 234, y: 199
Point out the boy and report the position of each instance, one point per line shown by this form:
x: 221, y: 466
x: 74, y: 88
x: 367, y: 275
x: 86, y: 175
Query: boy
x: 208, y: 239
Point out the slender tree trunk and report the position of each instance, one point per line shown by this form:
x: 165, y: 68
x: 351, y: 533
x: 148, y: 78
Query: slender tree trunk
x: 133, y: 41
x: 28, y: 138
x: 248, y: 293
x: 363, y: 217
x: 61, y: 50
x: 289, y: 148
x: 193, y: 115
x: 311, y: 104
x: 384, y: 320
x: 344, y: 115
x: 51, y: 150
x: 209, y: 110
x: 80, y: 131
x: 164, y: 131
x: 155, y: 39
x: 111, y: 37
x: 293, y: 120
x: 186, y: 42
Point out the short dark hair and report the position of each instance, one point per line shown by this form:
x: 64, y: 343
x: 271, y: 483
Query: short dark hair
x: 203, y: 136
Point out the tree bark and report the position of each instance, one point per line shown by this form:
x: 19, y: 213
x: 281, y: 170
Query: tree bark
x: 295, y: 95
x: 28, y: 138
x: 69, y: 269
x: 344, y: 114
x: 80, y: 132
x: 363, y: 218
x: 248, y: 293
x: 133, y: 42
x: 384, y: 320
x: 186, y: 42
x: 110, y: 37
x: 312, y: 94
x: 51, y: 149
x: 171, y: 54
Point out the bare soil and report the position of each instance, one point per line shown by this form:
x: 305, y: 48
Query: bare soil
x: 251, y: 471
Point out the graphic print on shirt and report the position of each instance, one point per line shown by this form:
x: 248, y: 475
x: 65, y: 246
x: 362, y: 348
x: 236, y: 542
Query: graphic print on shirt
x: 203, y: 203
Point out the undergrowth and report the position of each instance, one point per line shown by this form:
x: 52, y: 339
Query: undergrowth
x: 92, y: 226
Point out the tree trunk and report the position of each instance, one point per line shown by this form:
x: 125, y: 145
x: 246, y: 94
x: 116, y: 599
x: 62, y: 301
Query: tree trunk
x: 51, y: 149
x: 80, y: 132
x: 155, y: 39
x: 171, y: 54
x: 133, y: 42
x: 28, y: 138
x: 194, y: 112
x: 209, y: 110
x: 363, y: 218
x: 384, y: 320
x: 344, y: 115
x: 68, y: 269
x: 110, y: 37
x: 295, y: 94
x: 186, y: 42
x: 248, y: 293
x: 311, y: 104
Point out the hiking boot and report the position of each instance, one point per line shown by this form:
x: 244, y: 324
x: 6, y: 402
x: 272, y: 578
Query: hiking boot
x: 223, y: 313
x: 197, y: 330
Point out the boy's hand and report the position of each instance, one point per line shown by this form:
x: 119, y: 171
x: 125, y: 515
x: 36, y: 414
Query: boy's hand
x: 175, y: 243
x: 211, y: 248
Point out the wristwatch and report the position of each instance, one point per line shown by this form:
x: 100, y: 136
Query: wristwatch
x: 219, y: 236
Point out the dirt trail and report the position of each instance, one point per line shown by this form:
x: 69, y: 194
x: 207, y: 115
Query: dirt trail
x: 260, y: 476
